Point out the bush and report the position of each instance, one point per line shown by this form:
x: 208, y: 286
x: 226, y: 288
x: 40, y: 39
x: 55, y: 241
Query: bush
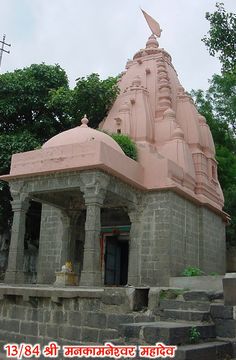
x: 127, y: 145
x: 192, y: 271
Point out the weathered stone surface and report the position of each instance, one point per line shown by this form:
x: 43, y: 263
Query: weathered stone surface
x: 52, y: 331
x: 29, y: 328
x: 225, y: 328
x: 196, y: 296
x: 69, y: 332
x: 96, y: 320
x: 206, y: 351
x: 184, y: 305
x: 107, y: 335
x: 221, y: 311
x: 185, y: 315
x: 229, y: 286
x: 89, y: 334
x: 115, y: 320
x: 175, y: 333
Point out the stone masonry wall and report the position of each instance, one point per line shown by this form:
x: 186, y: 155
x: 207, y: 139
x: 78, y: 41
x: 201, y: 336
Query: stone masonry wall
x: 213, y: 252
x: 154, y: 237
x: 73, y: 320
x: 49, y: 245
x: 185, y: 234
x: 176, y: 233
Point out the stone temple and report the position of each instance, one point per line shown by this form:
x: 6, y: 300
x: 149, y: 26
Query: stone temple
x: 121, y: 221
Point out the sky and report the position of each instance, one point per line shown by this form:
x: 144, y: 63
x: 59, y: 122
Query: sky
x: 87, y: 36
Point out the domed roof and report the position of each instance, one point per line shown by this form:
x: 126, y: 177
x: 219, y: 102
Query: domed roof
x: 80, y: 135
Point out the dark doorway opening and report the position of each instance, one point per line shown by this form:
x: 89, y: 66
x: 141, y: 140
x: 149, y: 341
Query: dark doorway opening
x: 116, y: 261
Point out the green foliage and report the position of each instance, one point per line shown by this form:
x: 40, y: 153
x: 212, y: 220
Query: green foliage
x: 230, y: 208
x: 127, y: 145
x: 15, y: 143
x: 222, y: 95
x: 94, y: 97
x: 218, y: 105
x: 221, y: 37
x: 91, y: 96
x: 194, y: 335
x: 192, y: 271
x: 36, y: 103
x: 24, y: 96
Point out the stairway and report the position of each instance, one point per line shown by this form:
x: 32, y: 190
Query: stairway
x: 185, y: 322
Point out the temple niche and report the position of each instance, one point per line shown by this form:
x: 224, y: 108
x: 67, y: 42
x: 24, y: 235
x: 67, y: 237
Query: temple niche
x: 121, y: 221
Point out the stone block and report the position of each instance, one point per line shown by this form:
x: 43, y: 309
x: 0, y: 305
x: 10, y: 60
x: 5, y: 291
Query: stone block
x: 13, y: 337
x: 229, y: 287
x: 154, y: 298
x: 74, y: 318
x: 33, y: 315
x: 52, y: 331
x: 89, y: 334
x: 174, y: 333
x: 196, y: 296
x: 220, y: 311
x: 130, y: 331
x: 89, y: 305
x: 115, y: 320
x: 65, y: 278
x: 225, y: 328
x: 204, y: 351
x: 17, y: 312
x: 42, y: 330
x: 112, y: 299
x: 10, y: 325
x: 107, y: 335
x: 70, y: 333
x: 29, y: 328
x: 94, y: 320
x: 144, y: 317
x: 46, y: 316
x: 59, y: 316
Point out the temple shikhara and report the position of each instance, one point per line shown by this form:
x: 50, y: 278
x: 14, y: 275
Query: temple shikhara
x: 120, y: 221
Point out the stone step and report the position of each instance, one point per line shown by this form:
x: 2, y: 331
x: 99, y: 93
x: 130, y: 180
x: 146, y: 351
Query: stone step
x: 173, y: 333
x: 215, y: 350
x: 196, y: 295
x: 185, y: 315
x: 185, y: 305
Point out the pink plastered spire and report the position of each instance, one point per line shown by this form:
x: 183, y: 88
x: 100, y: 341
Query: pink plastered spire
x: 174, y: 142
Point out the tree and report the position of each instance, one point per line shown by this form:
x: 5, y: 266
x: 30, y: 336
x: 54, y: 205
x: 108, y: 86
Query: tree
x: 221, y: 39
x: 218, y: 105
x: 36, y: 103
x: 91, y: 96
x: 24, y: 96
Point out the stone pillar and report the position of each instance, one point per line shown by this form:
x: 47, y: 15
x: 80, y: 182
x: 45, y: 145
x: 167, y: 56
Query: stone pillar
x: 91, y: 274
x: 14, y: 273
x: 134, y: 276
x: 94, y: 186
x: 65, y: 238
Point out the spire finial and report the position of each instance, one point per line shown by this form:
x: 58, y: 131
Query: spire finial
x: 84, y: 121
x: 153, y: 24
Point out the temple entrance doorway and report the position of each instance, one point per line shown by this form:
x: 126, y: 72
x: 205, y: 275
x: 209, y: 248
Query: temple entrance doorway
x: 116, y: 261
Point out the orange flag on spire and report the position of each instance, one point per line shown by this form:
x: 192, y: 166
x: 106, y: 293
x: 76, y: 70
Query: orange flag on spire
x: 153, y: 24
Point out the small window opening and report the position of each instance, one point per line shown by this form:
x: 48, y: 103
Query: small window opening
x: 118, y: 131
